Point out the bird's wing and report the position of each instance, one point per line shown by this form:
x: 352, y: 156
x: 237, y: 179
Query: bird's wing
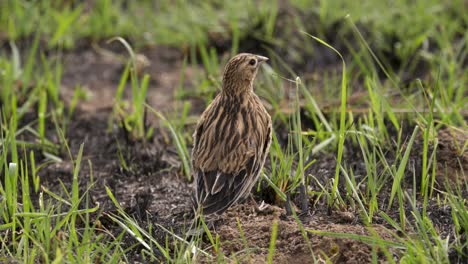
x: 203, y: 123
x: 217, y: 190
x: 228, y: 168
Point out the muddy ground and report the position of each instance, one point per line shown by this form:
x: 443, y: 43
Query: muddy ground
x: 154, y: 190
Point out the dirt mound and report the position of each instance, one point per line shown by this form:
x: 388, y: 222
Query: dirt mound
x: 245, y: 235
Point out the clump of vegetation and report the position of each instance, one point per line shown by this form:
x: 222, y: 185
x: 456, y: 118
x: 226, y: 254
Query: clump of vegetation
x: 369, y: 109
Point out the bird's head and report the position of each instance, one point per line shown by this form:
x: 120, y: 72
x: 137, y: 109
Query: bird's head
x: 240, y: 72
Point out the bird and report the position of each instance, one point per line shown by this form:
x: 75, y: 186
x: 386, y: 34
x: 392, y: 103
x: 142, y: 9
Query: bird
x: 231, y: 139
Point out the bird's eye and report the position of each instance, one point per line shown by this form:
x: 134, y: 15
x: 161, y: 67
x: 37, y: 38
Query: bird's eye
x: 252, y: 62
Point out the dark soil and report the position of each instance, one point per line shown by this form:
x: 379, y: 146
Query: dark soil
x: 293, y: 246
x: 154, y: 191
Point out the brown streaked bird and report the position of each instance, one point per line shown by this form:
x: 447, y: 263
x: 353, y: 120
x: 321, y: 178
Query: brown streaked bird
x: 232, y: 139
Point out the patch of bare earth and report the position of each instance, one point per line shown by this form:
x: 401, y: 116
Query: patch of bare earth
x: 98, y: 69
x: 154, y: 191
x: 294, y: 244
x: 452, y: 156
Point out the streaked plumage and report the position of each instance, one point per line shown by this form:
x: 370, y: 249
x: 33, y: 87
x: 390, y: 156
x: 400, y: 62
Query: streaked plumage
x: 232, y: 139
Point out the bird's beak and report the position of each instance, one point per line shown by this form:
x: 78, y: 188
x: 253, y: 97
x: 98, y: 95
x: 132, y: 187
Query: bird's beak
x: 261, y: 58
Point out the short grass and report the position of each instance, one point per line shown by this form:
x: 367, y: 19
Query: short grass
x: 385, y: 42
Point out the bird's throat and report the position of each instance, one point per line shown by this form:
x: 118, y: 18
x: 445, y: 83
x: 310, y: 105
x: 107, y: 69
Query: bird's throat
x: 237, y: 89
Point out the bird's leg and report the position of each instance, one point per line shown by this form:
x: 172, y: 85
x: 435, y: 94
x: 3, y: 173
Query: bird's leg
x: 262, y: 208
x: 252, y: 200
